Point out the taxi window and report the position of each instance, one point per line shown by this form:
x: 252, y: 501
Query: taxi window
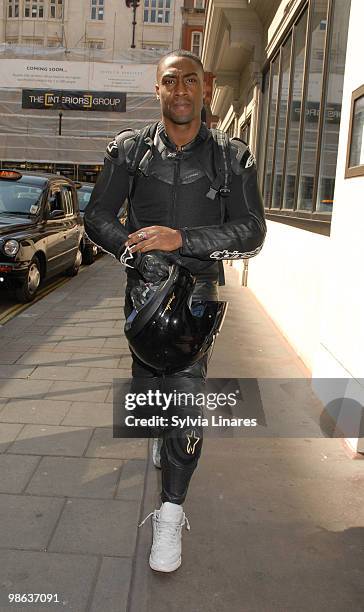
x: 19, y: 198
x: 84, y: 196
x: 67, y: 199
x: 55, y: 201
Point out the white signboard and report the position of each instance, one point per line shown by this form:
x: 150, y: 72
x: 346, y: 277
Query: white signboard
x: 96, y: 76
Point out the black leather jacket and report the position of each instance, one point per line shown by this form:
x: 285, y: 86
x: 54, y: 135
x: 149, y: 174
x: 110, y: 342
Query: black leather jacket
x: 171, y: 191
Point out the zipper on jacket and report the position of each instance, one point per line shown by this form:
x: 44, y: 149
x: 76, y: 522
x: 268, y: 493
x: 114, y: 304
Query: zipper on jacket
x: 176, y: 175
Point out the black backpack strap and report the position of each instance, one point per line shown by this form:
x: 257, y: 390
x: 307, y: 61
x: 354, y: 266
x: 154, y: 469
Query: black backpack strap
x: 140, y: 156
x: 222, y: 163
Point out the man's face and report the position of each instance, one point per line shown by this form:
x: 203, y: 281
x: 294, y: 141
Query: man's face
x: 180, y: 89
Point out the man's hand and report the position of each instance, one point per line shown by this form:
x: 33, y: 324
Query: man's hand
x: 154, y: 267
x: 155, y: 237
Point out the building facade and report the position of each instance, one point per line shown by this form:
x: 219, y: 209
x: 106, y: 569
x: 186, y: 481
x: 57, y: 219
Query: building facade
x: 289, y: 81
x: 83, y: 37
x: 91, y: 24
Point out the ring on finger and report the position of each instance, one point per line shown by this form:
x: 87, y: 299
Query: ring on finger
x: 142, y: 235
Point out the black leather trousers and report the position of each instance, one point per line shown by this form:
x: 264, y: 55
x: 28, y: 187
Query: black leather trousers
x: 181, y: 447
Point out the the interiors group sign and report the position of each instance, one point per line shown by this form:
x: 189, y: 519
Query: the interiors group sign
x: 80, y: 76
x: 74, y: 100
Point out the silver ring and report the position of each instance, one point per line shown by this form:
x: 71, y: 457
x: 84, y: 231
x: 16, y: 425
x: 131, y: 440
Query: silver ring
x: 142, y: 235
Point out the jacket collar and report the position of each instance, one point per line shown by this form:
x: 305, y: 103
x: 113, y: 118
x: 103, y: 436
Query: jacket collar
x: 163, y: 142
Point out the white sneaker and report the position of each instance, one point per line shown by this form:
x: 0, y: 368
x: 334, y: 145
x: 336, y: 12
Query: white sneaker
x: 165, y: 555
x: 156, y: 452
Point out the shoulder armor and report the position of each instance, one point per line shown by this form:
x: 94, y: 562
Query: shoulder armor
x: 119, y: 148
x: 241, y: 156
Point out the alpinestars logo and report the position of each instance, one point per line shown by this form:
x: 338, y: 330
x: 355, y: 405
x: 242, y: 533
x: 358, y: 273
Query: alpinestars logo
x: 125, y: 256
x: 192, y: 441
x: 234, y: 254
x: 251, y: 161
x: 112, y: 149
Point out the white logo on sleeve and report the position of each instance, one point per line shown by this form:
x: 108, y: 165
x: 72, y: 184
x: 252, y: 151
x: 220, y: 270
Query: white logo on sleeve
x: 250, y: 161
x: 235, y: 254
x: 125, y: 256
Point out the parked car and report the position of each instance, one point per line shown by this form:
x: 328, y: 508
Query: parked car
x: 84, y: 191
x: 41, y: 230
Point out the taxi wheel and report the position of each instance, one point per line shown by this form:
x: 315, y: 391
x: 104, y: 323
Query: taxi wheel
x: 88, y: 256
x: 73, y: 270
x: 27, y: 291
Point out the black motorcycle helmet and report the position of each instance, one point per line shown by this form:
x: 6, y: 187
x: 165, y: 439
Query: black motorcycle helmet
x: 169, y: 333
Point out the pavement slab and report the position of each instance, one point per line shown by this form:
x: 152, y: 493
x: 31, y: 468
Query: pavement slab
x: 41, y: 411
x: 16, y: 471
x: 106, y: 527
x: 27, y: 522
x: 51, y: 440
x: 36, y: 357
x: 89, y: 415
x: 103, y: 444
x: 111, y: 593
x: 70, y: 577
x: 78, y: 391
x: 8, y: 433
x: 58, y: 372
x: 31, y: 389
x: 75, y: 477
x: 131, y: 483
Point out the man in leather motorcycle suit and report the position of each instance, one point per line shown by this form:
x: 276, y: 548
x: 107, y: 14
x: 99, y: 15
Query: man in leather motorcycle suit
x: 174, y: 213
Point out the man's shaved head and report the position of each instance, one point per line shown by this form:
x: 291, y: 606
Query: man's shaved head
x: 179, y: 53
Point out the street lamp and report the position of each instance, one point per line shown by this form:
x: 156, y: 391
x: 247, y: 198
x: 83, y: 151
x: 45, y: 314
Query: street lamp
x: 134, y: 5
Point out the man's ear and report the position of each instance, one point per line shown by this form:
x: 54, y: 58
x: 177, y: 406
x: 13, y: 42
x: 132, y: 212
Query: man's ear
x: 157, y: 90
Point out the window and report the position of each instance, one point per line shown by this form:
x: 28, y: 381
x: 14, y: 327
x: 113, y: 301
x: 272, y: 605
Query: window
x: 34, y: 9
x: 33, y: 42
x: 97, y: 9
x: 333, y: 93
x: 298, y: 59
x: 301, y: 112
x: 56, y: 9
x: 67, y: 199
x: 245, y: 131
x: 157, y: 11
x: 13, y: 9
x: 231, y: 129
x: 199, y: 4
x: 196, y: 43
x: 95, y: 44
x: 355, y: 154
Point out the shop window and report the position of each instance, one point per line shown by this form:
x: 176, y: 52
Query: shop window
x: 333, y: 93
x: 97, y: 10
x: 355, y: 153
x: 157, y: 11
x: 302, y: 112
x: 34, y: 9
x: 13, y: 9
x: 271, y: 131
x: 56, y: 9
x: 294, y: 114
x: 312, y: 108
x: 281, y: 123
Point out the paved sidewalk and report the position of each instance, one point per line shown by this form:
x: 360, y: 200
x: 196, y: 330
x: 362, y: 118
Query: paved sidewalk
x: 276, y: 524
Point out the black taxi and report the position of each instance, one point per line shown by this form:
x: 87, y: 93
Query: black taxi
x: 41, y: 230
